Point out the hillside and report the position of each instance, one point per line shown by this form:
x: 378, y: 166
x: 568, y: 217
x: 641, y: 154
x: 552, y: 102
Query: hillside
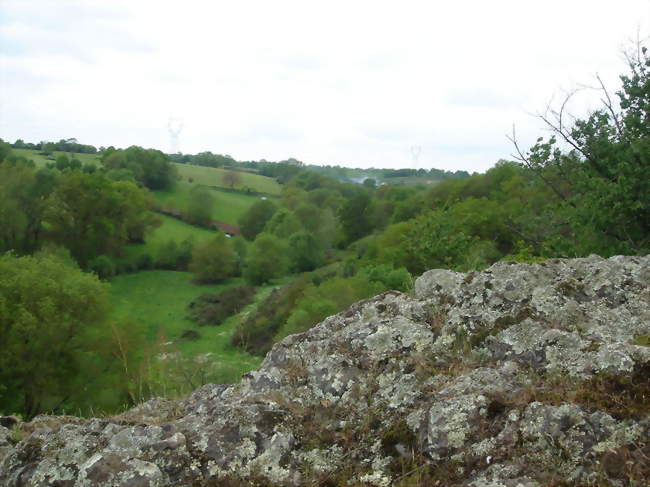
x: 533, y: 375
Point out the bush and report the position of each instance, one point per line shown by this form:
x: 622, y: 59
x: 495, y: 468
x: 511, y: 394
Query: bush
x: 103, y: 266
x: 213, y: 260
x: 144, y: 262
x: 399, y: 279
x: 267, y: 259
x: 255, y: 334
x: 213, y: 309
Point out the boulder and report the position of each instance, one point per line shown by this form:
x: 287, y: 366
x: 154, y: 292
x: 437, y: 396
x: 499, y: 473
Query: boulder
x: 519, y: 375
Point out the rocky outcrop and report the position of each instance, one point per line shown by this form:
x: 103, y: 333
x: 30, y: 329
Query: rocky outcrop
x: 519, y: 375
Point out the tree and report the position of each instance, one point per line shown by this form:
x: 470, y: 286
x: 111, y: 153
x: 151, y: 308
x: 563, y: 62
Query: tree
x: 213, y: 260
x: 46, y: 308
x: 253, y: 221
x: 231, y: 178
x: 601, y: 181
x: 91, y: 215
x: 23, y: 201
x: 355, y: 216
x: 305, y: 252
x: 266, y: 260
x: 200, y: 206
x: 150, y: 167
x: 283, y: 224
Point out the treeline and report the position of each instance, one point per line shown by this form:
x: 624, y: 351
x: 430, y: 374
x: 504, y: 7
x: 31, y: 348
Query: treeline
x: 90, y: 211
x: 590, y: 194
x: 63, y: 145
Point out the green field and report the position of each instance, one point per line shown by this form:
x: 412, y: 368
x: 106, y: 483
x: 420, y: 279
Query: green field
x: 156, y: 302
x: 170, y: 229
x: 40, y: 160
x: 211, y: 176
x: 228, y: 206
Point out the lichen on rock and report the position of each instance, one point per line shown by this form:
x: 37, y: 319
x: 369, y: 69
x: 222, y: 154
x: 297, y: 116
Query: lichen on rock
x: 519, y: 375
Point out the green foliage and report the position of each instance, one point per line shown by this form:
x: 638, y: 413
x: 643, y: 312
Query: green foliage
x: 91, y: 215
x: 213, y: 309
x: 266, y: 259
x: 283, y: 224
x: 436, y: 241
x: 255, y: 334
x: 103, y: 266
x: 328, y: 298
x: 149, y: 167
x: 23, y: 201
x: 254, y: 220
x: 390, y: 278
x: 46, y: 309
x: 213, y: 260
x: 356, y: 217
x: 305, y: 252
x: 200, y: 206
x: 602, y: 183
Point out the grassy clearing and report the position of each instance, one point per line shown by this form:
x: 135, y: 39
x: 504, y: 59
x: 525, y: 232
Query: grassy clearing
x: 41, y: 160
x: 228, y: 208
x: 156, y: 302
x: 211, y: 176
x: 171, y: 229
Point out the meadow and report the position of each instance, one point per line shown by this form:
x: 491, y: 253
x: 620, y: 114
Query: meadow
x: 154, y: 303
x: 170, y: 229
x: 228, y: 207
x: 211, y: 176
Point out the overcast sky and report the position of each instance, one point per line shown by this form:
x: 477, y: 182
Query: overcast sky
x: 354, y: 83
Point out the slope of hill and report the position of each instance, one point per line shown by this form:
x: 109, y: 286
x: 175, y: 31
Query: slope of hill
x: 533, y: 375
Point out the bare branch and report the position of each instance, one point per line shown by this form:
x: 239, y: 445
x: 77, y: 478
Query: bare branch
x: 522, y: 157
x: 610, y: 107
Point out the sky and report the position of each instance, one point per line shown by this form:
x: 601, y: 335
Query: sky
x: 354, y: 83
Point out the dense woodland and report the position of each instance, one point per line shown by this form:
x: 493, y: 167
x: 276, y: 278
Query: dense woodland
x: 77, y: 222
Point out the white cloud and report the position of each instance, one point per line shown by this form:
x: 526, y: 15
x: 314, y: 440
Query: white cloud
x: 355, y: 83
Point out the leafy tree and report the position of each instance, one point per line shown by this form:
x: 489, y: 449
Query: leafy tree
x: 91, y: 215
x: 213, y: 260
x: 283, y: 223
x: 267, y: 259
x: 253, y: 221
x: 46, y: 308
x: 356, y: 217
x: 231, y: 178
x: 23, y: 201
x: 435, y: 241
x: 200, y: 206
x: 602, y: 181
x: 305, y: 252
x: 150, y: 167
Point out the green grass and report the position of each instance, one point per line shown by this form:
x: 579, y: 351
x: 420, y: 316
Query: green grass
x: 211, y: 176
x: 171, y: 229
x: 40, y: 160
x: 228, y: 207
x: 156, y: 302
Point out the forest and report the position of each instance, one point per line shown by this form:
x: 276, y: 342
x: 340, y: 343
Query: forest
x: 130, y: 273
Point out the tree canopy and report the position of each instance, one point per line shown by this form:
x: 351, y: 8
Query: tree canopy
x: 46, y: 307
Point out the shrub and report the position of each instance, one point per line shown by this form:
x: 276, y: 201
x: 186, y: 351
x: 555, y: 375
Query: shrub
x: 103, y: 266
x: 255, y: 334
x: 267, y: 259
x: 213, y: 260
x: 213, y: 309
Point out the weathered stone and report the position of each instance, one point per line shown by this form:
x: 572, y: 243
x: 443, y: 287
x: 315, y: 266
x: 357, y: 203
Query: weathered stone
x: 482, y: 379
